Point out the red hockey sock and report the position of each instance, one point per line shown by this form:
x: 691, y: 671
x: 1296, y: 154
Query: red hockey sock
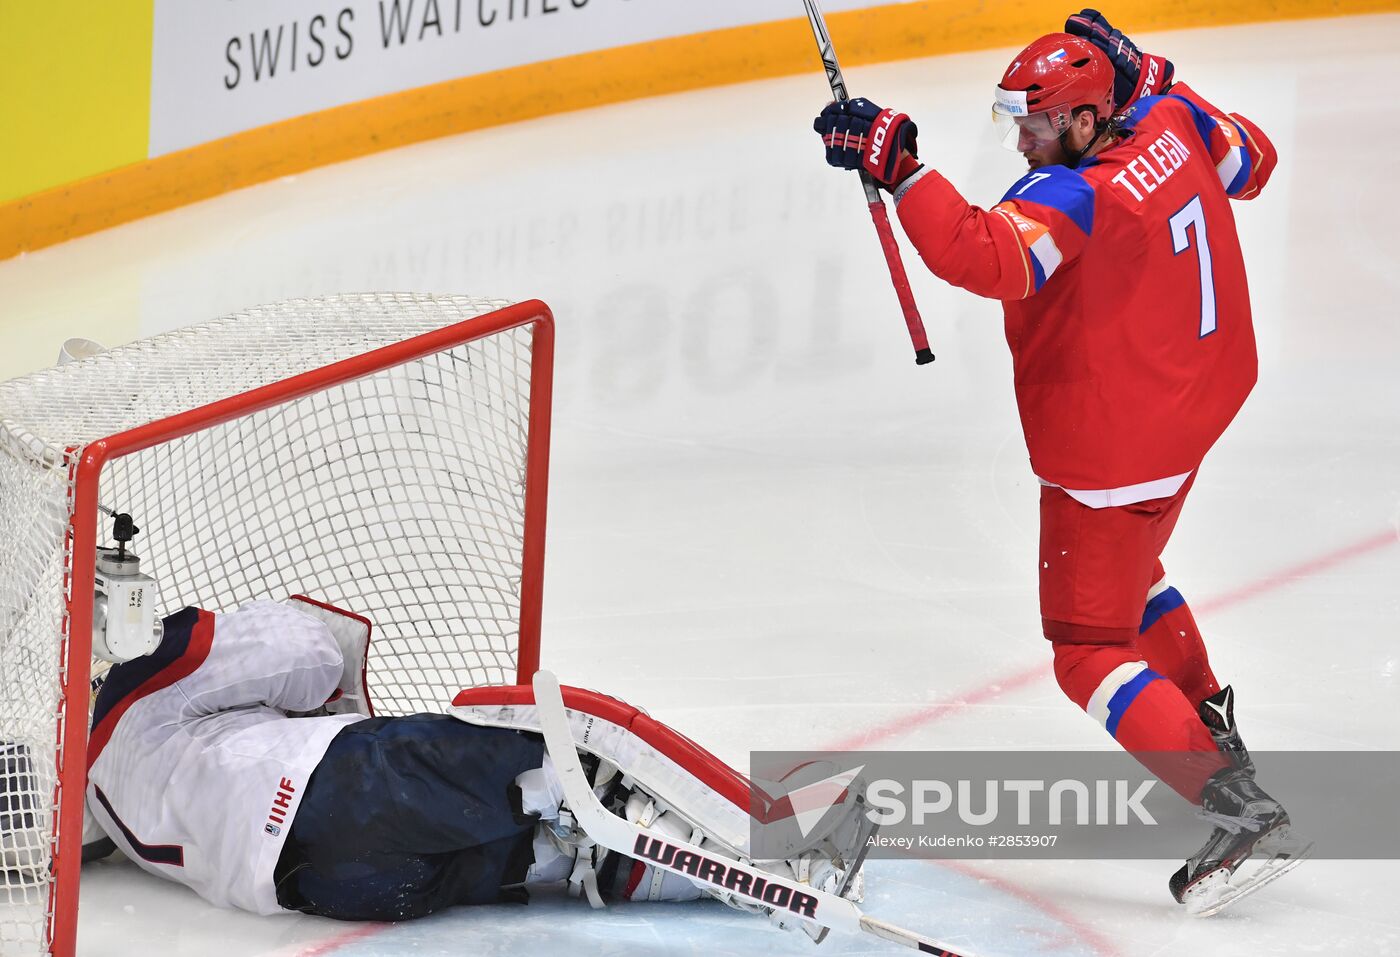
x: 1171, y: 644
x: 1143, y: 711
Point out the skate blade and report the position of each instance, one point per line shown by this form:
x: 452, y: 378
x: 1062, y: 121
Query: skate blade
x: 1286, y: 853
x: 1205, y: 892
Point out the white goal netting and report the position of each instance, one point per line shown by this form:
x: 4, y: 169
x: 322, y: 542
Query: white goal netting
x: 399, y: 495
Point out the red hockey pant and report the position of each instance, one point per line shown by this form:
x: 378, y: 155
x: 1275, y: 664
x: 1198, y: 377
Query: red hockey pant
x: 1135, y: 663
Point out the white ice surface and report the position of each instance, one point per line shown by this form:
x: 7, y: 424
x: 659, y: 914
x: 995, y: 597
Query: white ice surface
x: 773, y: 530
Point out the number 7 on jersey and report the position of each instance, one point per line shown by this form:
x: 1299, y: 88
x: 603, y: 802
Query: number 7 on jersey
x: 1182, y: 220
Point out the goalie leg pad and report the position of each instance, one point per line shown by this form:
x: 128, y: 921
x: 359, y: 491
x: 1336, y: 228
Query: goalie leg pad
x: 667, y: 765
x: 653, y: 775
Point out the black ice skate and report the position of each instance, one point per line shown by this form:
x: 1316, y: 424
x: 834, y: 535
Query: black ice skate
x: 1247, y: 821
x: 1218, y: 714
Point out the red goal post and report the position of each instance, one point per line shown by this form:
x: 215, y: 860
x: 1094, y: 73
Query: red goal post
x: 384, y: 452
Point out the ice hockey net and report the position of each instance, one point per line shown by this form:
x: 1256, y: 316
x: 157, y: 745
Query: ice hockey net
x: 385, y: 453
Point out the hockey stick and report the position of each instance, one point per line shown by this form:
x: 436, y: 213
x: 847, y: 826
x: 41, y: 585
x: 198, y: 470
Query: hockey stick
x: 621, y: 836
x: 878, y: 213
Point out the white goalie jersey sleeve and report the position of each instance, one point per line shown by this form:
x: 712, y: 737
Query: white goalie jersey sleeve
x: 195, y: 771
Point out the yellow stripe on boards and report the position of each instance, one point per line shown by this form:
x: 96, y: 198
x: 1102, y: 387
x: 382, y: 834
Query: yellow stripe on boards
x: 75, y: 93
x: 890, y: 32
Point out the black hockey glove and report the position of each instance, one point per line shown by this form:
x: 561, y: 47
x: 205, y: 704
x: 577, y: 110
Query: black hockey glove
x: 860, y: 135
x: 1136, y: 74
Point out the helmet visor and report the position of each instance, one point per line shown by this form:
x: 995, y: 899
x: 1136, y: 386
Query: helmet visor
x: 1024, y: 133
x: 1019, y: 129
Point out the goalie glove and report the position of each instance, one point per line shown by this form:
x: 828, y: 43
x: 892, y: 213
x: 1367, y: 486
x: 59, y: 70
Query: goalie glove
x: 352, y: 633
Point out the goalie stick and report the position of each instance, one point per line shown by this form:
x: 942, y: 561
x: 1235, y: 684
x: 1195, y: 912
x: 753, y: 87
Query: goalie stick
x: 621, y: 836
x: 878, y: 213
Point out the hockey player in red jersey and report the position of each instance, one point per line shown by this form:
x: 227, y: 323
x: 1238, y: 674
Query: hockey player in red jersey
x: 1127, y: 313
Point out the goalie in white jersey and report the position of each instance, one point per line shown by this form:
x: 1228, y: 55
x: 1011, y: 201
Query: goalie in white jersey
x: 241, y: 759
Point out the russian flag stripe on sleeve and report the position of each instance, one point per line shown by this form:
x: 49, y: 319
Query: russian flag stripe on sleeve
x: 1047, y: 256
x: 1234, y: 167
x: 1043, y: 256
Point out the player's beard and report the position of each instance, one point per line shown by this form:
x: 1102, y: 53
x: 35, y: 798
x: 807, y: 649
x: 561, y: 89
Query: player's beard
x: 1051, y: 154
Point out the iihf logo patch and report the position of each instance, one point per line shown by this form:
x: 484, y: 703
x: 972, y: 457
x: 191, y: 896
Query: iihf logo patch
x: 281, y: 805
x: 1057, y: 55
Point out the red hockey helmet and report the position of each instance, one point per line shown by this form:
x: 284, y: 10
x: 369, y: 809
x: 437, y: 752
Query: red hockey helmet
x: 1044, y: 84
